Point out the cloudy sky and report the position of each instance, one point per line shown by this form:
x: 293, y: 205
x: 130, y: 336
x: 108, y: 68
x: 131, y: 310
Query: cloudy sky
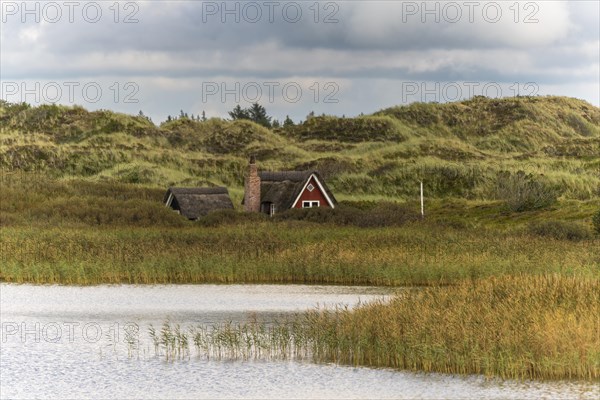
x: 334, y: 57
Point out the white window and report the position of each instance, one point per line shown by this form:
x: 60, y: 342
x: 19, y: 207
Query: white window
x: 310, y: 204
x: 272, y: 210
x: 310, y: 187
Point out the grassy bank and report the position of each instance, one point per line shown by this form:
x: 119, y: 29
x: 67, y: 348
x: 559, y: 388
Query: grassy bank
x: 523, y: 327
x: 285, y: 252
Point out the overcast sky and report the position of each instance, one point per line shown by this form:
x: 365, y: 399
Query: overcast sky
x: 333, y: 57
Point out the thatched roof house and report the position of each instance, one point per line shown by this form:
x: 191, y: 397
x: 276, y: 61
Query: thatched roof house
x: 289, y: 189
x: 272, y: 192
x: 194, y: 203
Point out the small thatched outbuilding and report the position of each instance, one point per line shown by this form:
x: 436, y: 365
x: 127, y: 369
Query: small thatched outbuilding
x: 194, y: 203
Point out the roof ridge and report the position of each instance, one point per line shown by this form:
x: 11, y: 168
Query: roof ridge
x: 199, y: 190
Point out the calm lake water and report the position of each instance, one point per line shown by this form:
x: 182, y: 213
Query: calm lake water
x: 69, y: 342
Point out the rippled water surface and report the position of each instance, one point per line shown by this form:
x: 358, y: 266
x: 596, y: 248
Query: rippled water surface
x: 68, y: 342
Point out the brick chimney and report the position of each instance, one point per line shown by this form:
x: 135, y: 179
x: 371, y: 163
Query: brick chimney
x: 252, y: 187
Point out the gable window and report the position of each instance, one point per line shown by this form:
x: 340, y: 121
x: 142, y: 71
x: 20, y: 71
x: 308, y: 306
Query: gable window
x: 310, y: 187
x: 310, y: 204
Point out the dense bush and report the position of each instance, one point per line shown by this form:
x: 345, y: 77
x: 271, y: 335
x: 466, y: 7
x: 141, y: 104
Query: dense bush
x: 445, y: 222
x: 223, y: 217
x: 337, y: 216
x: 596, y: 222
x: 560, y: 230
x: 350, y: 130
x: 360, y: 204
x: 137, y: 174
x: 524, y: 192
x: 7, y: 219
x: 380, y: 215
x: 105, y: 211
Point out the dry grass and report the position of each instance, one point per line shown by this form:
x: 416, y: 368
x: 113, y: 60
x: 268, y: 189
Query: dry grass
x: 520, y: 327
x: 457, y: 149
x: 527, y: 327
x: 284, y: 252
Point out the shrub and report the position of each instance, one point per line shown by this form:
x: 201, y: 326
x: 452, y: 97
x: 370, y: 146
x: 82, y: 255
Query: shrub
x: 339, y: 216
x: 349, y: 130
x: 386, y: 214
x: 524, y: 192
x: 105, y: 211
x: 596, y: 222
x: 451, y: 223
x: 380, y: 215
x: 359, y: 204
x: 137, y: 174
x: 561, y: 230
x: 7, y: 219
x: 226, y: 217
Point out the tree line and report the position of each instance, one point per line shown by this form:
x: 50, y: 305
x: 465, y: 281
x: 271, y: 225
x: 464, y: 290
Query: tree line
x: 256, y: 113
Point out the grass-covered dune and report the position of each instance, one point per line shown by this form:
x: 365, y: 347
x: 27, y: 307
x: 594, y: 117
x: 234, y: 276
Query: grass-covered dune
x: 457, y: 149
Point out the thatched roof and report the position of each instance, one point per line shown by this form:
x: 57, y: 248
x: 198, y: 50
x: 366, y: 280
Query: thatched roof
x: 197, y: 202
x: 283, y: 188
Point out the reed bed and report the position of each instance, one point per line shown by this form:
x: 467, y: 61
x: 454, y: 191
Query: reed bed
x: 524, y: 327
x: 519, y: 327
x: 284, y: 253
x: 231, y: 341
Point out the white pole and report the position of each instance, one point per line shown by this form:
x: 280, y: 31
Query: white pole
x: 422, y: 208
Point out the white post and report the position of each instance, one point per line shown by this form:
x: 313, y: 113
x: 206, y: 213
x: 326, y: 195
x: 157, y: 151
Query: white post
x: 422, y: 208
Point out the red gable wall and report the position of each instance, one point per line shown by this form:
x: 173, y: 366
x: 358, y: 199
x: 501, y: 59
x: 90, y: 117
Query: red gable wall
x: 316, y: 194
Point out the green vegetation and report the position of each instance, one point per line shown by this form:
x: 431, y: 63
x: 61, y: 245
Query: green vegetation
x: 506, y: 247
x: 458, y: 150
x: 283, y: 253
x: 561, y: 230
x: 255, y: 113
x: 541, y: 327
x: 78, y: 232
x: 522, y: 327
x: 523, y: 192
x: 596, y: 222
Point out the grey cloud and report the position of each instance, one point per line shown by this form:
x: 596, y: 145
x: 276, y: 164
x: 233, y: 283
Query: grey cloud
x: 361, y: 25
x: 369, y: 43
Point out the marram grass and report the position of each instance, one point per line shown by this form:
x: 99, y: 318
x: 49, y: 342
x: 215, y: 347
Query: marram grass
x: 517, y: 327
x: 457, y: 149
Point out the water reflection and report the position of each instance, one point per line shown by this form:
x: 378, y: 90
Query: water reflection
x: 70, y: 342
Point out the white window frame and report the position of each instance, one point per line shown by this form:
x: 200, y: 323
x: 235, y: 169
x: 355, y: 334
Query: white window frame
x: 311, y: 203
x: 169, y: 200
x: 271, y: 209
